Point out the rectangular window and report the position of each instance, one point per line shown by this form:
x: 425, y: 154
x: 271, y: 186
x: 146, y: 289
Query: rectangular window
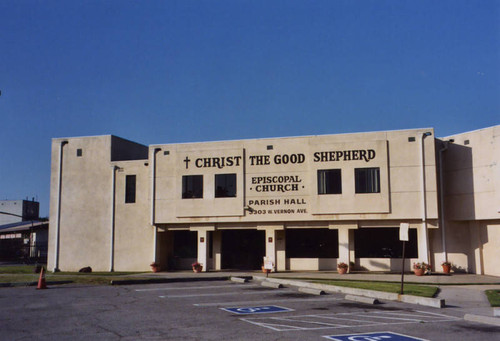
x: 329, y: 181
x: 130, y: 189
x: 367, y: 180
x: 312, y: 243
x: 225, y: 185
x: 192, y: 186
x: 383, y: 243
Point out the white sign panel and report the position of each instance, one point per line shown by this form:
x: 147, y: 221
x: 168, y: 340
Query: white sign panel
x: 403, y: 231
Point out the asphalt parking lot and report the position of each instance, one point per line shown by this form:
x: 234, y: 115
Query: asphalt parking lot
x: 217, y: 310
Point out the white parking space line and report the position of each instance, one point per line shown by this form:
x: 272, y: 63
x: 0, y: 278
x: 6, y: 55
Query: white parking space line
x: 349, y: 320
x: 267, y: 301
x: 200, y: 287
x: 236, y: 293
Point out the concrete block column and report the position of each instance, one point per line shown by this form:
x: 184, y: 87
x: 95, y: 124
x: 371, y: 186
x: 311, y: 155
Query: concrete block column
x: 423, y: 243
x: 271, y: 245
x: 203, y: 243
x: 280, y: 250
x: 271, y: 232
x: 346, y: 240
x: 344, y: 254
x: 217, y: 250
x: 203, y: 249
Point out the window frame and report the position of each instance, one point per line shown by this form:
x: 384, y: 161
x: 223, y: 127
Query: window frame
x: 196, y: 194
x: 130, y: 188
x: 367, y: 186
x: 226, y: 176
x: 323, y: 187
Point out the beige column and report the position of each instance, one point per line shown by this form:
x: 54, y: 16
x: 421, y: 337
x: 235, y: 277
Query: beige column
x: 217, y: 250
x: 344, y: 255
x: 203, y: 248
x: 346, y: 246
x: 271, y: 242
x: 280, y: 250
x: 423, y: 243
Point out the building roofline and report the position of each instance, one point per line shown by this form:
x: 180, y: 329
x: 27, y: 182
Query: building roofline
x: 291, y: 137
x: 470, y: 131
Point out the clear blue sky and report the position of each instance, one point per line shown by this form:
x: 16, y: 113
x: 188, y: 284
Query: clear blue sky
x: 179, y: 71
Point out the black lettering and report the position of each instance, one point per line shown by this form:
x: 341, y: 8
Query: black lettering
x: 362, y: 155
x: 316, y: 157
x: 355, y: 154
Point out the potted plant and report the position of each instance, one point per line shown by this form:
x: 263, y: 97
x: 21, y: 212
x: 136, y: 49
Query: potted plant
x: 446, y: 267
x: 155, y: 267
x: 421, y: 268
x: 342, y: 268
x: 197, y: 267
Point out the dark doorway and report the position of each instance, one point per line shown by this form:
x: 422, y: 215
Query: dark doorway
x: 243, y: 249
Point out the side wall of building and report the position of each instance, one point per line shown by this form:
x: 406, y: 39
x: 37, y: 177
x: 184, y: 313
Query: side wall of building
x: 471, y: 167
x: 134, y: 236
x: 83, y: 221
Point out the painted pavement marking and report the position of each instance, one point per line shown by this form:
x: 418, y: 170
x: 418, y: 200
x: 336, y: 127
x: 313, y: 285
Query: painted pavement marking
x: 216, y: 304
x: 200, y: 287
x: 257, y: 310
x: 238, y: 293
x: 377, y: 336
x: 344, y: 320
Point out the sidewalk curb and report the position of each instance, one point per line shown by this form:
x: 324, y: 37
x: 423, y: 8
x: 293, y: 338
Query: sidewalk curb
x: 31, y: 284
x: 483, y: 319
x: 425, y: 301
x: 167, y: 280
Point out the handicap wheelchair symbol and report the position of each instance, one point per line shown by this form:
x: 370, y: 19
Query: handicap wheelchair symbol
x: 257, y: 310
x: 380, y: 336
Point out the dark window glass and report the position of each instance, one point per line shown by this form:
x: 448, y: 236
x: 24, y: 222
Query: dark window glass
x: 225, y: 185
x: 384, y: 243
x: 185, y: 244
x: 192, y: 186
x: 367, y: 180
x: 130, y: 189
x: 329, y: 181
x: 312, y: 243
x: 79, y: 152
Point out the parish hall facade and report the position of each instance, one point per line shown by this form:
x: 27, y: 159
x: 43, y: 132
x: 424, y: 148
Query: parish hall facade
x: 305, y: 203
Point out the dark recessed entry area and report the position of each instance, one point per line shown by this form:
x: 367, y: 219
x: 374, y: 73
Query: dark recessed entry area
x: 243, y: 249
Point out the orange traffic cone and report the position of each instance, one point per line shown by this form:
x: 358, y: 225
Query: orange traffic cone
x: 41, y: 280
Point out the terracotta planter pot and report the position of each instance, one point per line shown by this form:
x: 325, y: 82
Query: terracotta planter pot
x: 419, y: 272
x: 155, y: 268
x: 446, y: 268
x: 342, y: 271
x: 197, y: 268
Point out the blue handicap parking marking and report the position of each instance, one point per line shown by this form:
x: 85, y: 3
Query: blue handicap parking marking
x: 378, y: 336
x: 257, y: 310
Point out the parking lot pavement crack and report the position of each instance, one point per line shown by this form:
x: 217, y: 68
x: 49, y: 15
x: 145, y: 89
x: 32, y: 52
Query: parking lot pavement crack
x: 110, y: 331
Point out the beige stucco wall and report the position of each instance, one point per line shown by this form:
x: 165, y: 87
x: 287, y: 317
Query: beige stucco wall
x: 472, y: 175
x: 490, y: 240
x: 134, y: 235
x: 85, y: 205
x: 398, y: 159
x: 471, y: 169
x: 87, y: 195
x: 85, y: 223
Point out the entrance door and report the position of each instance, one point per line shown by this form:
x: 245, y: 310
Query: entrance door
x: 243, y: 249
